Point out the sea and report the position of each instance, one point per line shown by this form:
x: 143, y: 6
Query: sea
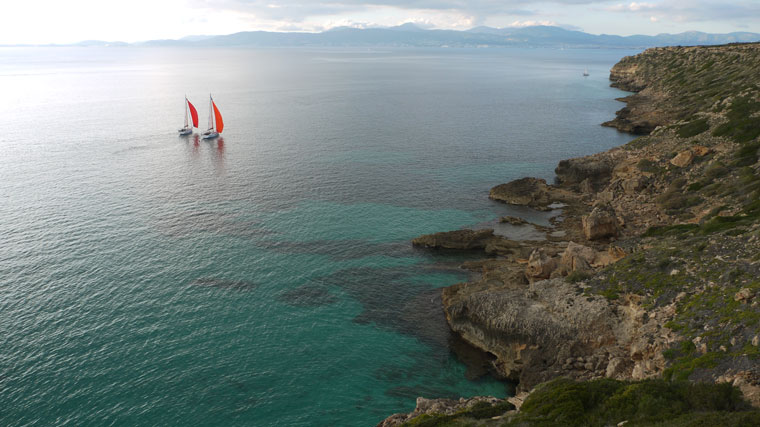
x: 266, y: 277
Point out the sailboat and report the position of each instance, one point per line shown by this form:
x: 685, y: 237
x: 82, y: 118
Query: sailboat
x: 215, y: 122
x: 187, y: 130
x: 585, y: 72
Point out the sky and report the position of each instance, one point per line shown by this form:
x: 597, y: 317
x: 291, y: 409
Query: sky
x: 69, y: 21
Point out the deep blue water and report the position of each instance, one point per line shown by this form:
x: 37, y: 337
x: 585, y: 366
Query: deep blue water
x: 265, y: 278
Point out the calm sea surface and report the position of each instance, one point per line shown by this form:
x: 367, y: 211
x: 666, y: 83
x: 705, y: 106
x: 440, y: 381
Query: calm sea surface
x: 265, y: 278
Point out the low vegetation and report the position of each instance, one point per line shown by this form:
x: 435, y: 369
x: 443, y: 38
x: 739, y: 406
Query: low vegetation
x: 607, y: 402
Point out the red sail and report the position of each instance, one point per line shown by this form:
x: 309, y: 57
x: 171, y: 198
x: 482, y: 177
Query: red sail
x: 193, y: 114
x: 218, y: 118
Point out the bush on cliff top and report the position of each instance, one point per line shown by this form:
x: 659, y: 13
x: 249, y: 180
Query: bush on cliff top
x: 693, y: 128
x: 608, y: 402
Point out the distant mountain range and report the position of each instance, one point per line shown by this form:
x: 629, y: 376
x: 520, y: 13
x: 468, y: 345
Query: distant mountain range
x: 414, y: 36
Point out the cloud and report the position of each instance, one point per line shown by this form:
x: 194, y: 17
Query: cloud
x: 299, y: 9
x: 692, y: 10
x: 631, y: 7
x: 522, y: 24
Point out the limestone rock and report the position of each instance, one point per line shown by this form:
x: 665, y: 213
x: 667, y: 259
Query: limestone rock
x: 530, y: 329
x: 576, y: 258
x: 512, y: 220
x: 601, y: 222
x: 458, y: 239
x: 633, y: 185
x: 594, y: 168
x: 438, y: 406
x: 611, y: 256
x: 540, y: 265
x: 616, y: 368
x: 700, y: 150
x: 525, y: 192
x: 682, y: 159
x: 744, y: 295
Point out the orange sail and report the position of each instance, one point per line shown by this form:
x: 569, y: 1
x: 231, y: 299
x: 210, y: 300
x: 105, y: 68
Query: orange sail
x: 218, y: 118
x: 193, y: 113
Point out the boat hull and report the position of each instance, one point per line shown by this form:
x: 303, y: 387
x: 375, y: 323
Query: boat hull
x: 186, y: 131
x: 210, y: 135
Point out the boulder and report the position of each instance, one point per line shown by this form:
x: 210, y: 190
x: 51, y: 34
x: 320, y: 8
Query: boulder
x: 612, y: 255
x: 617, y: 368
x: 576, y: 258
x: 574, y: 171
x: 700, y: 150
x: 633, y: 185
x: 540, y: 265
x: 682, y: 159
x: 600, y: 223
x: 744, y: 295
x: 458, y: 239
x: 525, y: 192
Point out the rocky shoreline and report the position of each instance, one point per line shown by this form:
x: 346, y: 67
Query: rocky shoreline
x: 652, y: 272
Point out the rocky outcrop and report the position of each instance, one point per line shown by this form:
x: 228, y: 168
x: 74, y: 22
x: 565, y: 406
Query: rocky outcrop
x: 476, y: 407
x: 576, y: 258
x: 458, y: 239
x: 532, y: 192
x: 550, y: 329
x: 524, y: 192
x: 540, y: 265
x: 469, y: 240
x: 600, y: 223
x: 596, y: 170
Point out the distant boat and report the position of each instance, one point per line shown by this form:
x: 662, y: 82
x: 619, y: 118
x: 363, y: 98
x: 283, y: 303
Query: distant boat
x: 585, y: 72
x: 187, y: 130
x: 215, y: 122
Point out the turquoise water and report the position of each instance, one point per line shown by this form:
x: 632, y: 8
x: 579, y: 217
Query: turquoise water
x: 265, y: 278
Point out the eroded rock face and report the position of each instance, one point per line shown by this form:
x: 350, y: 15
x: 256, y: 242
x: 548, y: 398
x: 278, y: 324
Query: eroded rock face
x: 532, y: 331
x: 551, y: 328
x: 600, y: 223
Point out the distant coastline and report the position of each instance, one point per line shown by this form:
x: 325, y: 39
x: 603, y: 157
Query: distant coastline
x: 410, y: 35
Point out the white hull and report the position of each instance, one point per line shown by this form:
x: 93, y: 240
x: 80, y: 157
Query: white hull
x: 185, y: 131
x: 210, y: 135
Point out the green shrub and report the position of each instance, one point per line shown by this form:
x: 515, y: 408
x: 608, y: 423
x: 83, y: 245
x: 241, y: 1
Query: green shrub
x: 741, y: 126
x: 693, y: 128
x: 646, y: 165
x: 715, y: 170
x: 577, y: 276
x: 607, y: 402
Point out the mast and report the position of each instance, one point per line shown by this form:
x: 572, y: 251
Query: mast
x: 210, y: 113
x: 185, y: 111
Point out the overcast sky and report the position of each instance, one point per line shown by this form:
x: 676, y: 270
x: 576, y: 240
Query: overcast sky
x: 66, y: 21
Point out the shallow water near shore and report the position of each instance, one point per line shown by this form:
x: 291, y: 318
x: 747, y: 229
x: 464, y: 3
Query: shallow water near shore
x: 265, y: 278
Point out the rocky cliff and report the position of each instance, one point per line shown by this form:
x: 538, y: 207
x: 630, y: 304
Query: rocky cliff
x: 656, y: 274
